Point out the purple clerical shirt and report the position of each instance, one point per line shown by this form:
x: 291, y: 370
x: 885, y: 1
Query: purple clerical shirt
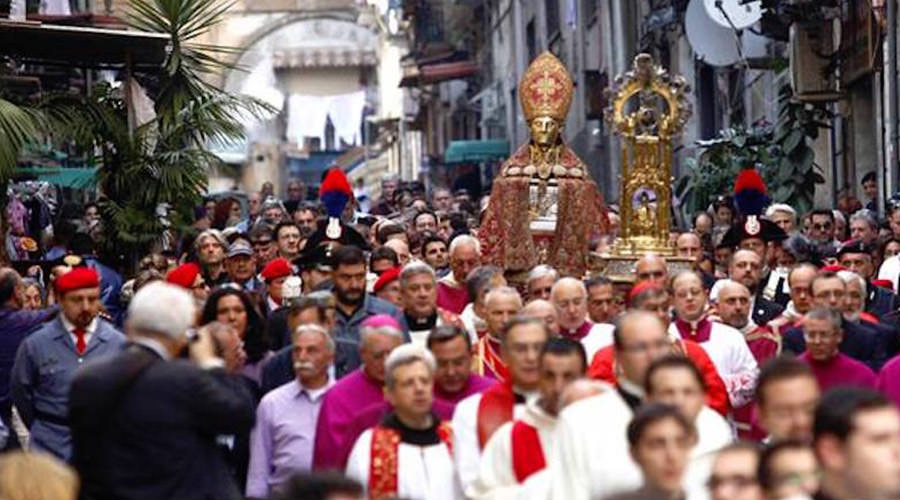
x: 475, y: 384
x: 840, y: 370
x: 889, y: 379
x: 340, y: 407
x: 281, y: 443
x: 453, y: 299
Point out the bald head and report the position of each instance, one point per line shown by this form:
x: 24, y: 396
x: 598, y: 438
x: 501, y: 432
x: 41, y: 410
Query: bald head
x: 733, y: 304
x: 544, y: 311
x: 569, y: 296
x: 582, y: 388
x: 688, y: 245
x: 640, y: 337
x: 651, y: 268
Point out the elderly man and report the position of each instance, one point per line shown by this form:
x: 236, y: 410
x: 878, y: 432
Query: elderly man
x: 517, y: 451
x: 453, y: 378
x: 143, y: 421
x: 241, y: 267
x: 418, y: 292
x: 602, y: 305
x: 540, y: 281
x: 569, y: 296
x: 306, y: 217
x: 190, y: 277
x: 47, y: 359
x: 263, y: 241
x: 733, y: 309
x: 281, y: 443
x: 544, y: 311
x: 590, y: 460
x: 379, y: 335
x: 859, y: 342
x: 745, y: 268
x: 857, y: 434
x: 465, y: 255
x: 857, y: 257
x: 409, y: 454
x: 502, y: 304
x: 254, y: 205
x: 210, y: 246
x: 799, y: 280
x: 864, y: 227
x: 477, y: 417
x: 725, y: 345
x: 651, y: 268
x: 823, y: 332
x: 784, y: 216
x: 478, y: 282
x: 442, y: 199
x: 688, y: 245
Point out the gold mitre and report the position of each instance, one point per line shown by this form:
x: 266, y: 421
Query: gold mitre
x: 546, y: 89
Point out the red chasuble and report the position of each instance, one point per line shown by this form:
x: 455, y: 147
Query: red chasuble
x: 383, y: 479
x: 494, y: 410
x: 489, y: 362
x: 528, y: 455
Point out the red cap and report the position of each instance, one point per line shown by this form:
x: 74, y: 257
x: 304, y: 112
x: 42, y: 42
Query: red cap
x: 76, y: 279
x: 184, y: 275
x: 642, y: 287
x: 386, y: 278
x: 277, y: 268
x: 883, y: 284
x: 834, y: 268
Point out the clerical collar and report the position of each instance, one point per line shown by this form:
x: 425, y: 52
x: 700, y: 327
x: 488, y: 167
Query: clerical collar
x: 578, y: 333
x: 698, y: 331
x: 417, y: 324
x: 417, y: 437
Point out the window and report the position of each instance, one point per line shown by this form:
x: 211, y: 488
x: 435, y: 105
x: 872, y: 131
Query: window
x: 551, y: 9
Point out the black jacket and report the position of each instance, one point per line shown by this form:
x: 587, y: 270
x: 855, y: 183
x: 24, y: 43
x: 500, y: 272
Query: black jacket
x: 765, y: 310
x: 152, y: 434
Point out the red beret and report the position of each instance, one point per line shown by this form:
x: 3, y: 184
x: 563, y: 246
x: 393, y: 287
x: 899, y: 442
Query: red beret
x: 642, y: 287
x: 834, y: 268
x: 184, y: 275
x: 76, y: 279
x: 386, y: 278
x: 278, y: 268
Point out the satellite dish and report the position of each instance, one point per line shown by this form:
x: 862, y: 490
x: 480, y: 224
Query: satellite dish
x: 713, y: 44
x: 734, y: 14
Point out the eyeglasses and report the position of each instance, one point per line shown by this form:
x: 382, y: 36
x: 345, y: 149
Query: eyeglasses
x: 822, y: 227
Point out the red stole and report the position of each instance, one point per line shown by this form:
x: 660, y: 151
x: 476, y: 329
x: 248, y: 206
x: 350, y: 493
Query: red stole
x: 494, y: 410
x: 527, y: 453
x: 490, y: 363
x: 383, y: 478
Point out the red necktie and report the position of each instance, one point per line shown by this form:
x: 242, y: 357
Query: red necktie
x: 80, y: 344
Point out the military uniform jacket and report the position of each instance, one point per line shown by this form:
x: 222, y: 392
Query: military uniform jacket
x: 42, y: 375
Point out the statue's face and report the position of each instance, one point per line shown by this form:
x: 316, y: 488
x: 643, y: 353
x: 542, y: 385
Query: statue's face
x: 545, y: 131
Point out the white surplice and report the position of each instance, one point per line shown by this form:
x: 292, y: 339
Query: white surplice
x: 713, y: 433
x: 734, y: 361
x: 425, y: 472
x: 466, y: 452
x: 497, y: 478
x: 600, y: 336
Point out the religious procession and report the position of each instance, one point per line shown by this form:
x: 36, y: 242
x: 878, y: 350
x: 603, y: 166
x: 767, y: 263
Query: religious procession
x: 450, y: 250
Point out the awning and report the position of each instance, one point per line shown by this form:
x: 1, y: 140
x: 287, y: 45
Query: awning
x: 440, y: 72
x: 475, y: 151
x: 76, y: 178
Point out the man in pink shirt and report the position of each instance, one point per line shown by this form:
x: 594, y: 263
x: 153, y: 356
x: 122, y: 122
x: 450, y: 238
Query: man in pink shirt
x: 823, y: 334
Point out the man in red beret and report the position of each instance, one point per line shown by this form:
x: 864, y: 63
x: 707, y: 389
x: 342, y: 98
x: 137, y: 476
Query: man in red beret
x: 387, y: 287
x: 189, y: 277
x: 274, y: 275
x: 47, y: 359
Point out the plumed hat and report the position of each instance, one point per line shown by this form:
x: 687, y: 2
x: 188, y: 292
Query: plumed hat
x: 335, y: 193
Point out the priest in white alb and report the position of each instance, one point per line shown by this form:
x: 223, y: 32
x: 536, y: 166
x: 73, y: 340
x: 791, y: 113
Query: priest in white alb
x: 516, y: 454
x: 408, y: 454
x: 477, y: 417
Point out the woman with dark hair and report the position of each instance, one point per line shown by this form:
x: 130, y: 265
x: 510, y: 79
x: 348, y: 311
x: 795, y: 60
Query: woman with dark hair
x: 227, y: 214
x: 234, y: 307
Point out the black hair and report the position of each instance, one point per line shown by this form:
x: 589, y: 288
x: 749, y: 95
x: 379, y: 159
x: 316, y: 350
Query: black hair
x: 348, y: 255
x: 479, y: 278
x: 764, y: 468
x: 839, y: 408
x: 597, y: 280
x: 561, y: 346
x: 432, y: 238
x: 282, y: 225
x: 255, y: 339
x: 673, y: 362
x: 318, y: 486
x: 384, y: 253
x: 259, y: 229
x: 778, y: 369
x: 869, y: 177
x: 822, y: 211
x: 446, y: 333
x: 652, y: 413
x: 523, y: 321
x: 425, y: 212
x: 8, y: 281
x: 81, y: 244
x: 388, y: 230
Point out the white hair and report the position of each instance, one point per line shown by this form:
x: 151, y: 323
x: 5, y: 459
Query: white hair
x: 314, y: 328
x: 849, y: 277
x: 415, y: 268
x: 866, y: 216
x: 502, y: 290
x: 162, y: 308
x: 407, y: 354
x: 781, y: 207
x: 367, y: 331
x: 464, y: 240
x: 717, y: 287
x: 541, y: 271
x: 839, y: 216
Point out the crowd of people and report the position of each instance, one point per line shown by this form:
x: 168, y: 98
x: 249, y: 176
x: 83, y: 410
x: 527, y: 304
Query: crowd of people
x: 329, y: 347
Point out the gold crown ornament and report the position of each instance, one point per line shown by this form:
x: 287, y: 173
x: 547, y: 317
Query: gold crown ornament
x: 546, y: 89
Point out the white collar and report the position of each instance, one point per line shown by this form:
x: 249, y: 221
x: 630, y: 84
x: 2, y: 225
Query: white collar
x: 70, y: 327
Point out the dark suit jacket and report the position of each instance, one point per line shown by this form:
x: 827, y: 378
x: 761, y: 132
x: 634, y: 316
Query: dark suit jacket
x: 861, y: 343
x: 765, y: 310
x: 155, y: 437
x: 882, y: 302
